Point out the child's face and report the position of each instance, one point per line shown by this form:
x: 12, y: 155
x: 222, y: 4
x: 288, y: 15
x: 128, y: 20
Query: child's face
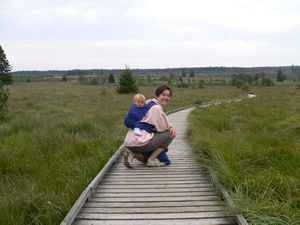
x: 139, y: 103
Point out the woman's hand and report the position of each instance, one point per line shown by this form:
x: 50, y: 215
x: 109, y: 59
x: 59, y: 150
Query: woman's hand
x: 173, y: 132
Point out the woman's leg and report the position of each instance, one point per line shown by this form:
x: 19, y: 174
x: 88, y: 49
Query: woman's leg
x: 138, y: 156
x: 157, y: 144
x: 164, y: 139
x: 156, y: 153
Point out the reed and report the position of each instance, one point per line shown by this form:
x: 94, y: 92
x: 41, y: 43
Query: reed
x: 253, y: 147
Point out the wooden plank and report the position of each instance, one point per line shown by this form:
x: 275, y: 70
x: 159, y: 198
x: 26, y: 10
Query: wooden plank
x: 146, y: 190
x: 202, y: 221
x: 155, y: 193
x: 151, y: 186
x: 155, y: 199
x: 145, y: 182
x: 154, y: 179
x: 151, y: 174
x: 151, y: 204
x: 146, y: 216
x: 180, y: 209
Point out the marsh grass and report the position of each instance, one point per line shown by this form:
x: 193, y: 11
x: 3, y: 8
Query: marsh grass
x: 253, y: 147
x: 60, y: 137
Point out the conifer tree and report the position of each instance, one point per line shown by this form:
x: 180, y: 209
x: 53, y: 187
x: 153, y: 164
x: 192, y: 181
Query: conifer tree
x: 183, y: 74
x: 127, y: 83
x: 192, y: 74
x: 111, y: 78
x: 279, y: 76
x: 149, y: 80
x: 64, y: 78
x: 5, y: 68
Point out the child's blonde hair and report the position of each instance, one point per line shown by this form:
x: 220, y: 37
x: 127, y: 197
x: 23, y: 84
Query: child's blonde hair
x: 139, y: 96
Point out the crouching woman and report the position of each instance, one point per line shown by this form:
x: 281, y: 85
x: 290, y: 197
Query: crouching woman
x: 148, y: 146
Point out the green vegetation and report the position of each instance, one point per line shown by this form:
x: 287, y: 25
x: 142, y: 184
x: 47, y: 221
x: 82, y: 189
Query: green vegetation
x: 111, y: 78
x: 5, y: 79
x: 127, y: 83
x: 253, y: 147
x: 192, y: 74
x: 63, y: 133
x: 5, y: 69
x: 94, y: 81
x: 4, y: 112
x: 60, y: 137
x: 64, y: 78
x: 280, y: 76
x: 76, y: 72
x: 207, y: 75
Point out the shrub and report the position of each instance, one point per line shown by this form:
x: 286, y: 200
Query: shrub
x: 267, y: 82
x: 183, y: 85
x: 3, y: 103
x: 94, y: 81
x: 246, y: 87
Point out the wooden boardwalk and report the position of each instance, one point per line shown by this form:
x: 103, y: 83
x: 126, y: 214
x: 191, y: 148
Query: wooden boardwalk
x: 175, y: 194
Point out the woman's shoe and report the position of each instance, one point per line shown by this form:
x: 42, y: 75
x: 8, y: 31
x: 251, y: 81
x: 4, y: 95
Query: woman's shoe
x: 128, y: 158
x: 155, y: 163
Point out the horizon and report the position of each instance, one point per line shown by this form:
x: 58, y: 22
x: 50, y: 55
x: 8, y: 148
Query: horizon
x: 226, y: 67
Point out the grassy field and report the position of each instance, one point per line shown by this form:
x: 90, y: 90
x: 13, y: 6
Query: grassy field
x: 60, y: 137
x: 253, y: 147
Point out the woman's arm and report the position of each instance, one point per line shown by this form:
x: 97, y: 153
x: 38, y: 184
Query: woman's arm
x: 173, y: 131
x: 156, y: 117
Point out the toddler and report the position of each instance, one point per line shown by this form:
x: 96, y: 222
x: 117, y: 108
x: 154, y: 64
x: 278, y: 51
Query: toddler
x: 138, y: 101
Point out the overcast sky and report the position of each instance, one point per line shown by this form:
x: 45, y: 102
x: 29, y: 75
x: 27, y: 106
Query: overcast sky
x: 109, y: 34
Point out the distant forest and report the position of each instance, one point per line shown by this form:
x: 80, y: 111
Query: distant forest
x: 77, y: 72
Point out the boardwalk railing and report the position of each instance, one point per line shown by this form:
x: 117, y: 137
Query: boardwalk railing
x: 90, y: 189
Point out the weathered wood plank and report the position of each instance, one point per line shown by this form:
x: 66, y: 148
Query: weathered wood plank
x: 155, y: 193
x: 156, y: 199
x: 146, y: 182
x: 154, y: 178
x: 146, y: 190
x: 145, y: 216
x: 153, y: 175
x: 202, y: 221
x: 164, y: 204
x: 151, y: 186
x: 186, y: 209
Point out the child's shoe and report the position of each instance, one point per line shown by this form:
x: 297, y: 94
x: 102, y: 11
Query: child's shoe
x: 137, y: 131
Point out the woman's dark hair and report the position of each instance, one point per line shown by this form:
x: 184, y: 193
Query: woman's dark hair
x: 161, y: 89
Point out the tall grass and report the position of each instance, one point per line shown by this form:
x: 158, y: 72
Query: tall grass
x: 60, y: 137
x: 253, y: 146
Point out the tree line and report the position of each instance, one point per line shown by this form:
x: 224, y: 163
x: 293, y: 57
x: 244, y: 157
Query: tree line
x: 165, y: 70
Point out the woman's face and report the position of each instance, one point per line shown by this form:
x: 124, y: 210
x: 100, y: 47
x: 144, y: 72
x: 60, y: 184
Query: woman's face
x: 164, y: 97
